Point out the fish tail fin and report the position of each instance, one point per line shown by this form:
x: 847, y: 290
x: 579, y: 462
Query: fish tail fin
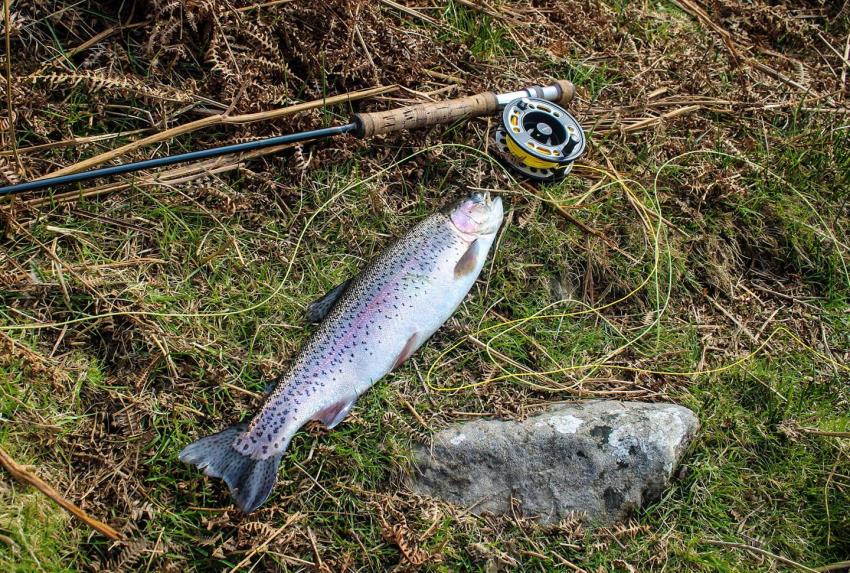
x: 250, y: 480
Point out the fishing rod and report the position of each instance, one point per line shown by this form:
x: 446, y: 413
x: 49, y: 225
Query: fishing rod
x: 536, y: 137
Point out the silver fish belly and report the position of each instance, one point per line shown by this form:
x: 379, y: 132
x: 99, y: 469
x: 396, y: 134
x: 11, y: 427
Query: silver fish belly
x: 384, y: 315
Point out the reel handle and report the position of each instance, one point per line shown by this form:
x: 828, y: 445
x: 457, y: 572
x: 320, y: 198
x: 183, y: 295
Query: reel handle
x: 436, y: 113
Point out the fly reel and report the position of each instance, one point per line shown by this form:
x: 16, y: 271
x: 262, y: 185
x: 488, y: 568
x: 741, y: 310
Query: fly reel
x: 538, y: 139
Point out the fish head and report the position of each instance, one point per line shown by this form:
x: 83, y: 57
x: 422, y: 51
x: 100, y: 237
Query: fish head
x: 478, y: 214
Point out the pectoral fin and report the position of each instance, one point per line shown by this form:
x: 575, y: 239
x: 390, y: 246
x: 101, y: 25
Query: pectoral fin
x: 319, y: 308
x: 332, y: 415
x: 468, y: 261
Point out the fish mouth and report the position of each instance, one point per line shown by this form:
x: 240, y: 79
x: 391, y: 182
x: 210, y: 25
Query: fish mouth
x: 478, y: 214
x: 478, y: 197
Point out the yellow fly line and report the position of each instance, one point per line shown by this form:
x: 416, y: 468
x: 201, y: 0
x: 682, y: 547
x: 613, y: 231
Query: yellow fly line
x: 647, y: 216
x: 650, y: 229
x: 529, y: 159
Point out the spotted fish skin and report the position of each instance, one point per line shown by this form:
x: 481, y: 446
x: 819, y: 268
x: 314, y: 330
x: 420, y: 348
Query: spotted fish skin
x: 384, y: 315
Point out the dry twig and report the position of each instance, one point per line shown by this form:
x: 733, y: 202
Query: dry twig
x: 21, y: 474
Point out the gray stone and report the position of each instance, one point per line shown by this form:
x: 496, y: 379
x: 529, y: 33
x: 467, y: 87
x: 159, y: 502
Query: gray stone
x: 601, y: 458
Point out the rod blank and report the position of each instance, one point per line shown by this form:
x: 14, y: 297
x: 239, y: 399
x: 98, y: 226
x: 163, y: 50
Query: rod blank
x: 181, y: 158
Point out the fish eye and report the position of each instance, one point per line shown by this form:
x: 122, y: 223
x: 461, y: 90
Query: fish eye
x: 477, y: 197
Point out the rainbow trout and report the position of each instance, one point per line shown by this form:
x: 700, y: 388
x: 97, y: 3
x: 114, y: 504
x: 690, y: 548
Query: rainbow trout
x: 369, y: 326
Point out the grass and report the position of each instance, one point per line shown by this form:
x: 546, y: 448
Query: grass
x: 104, y: 403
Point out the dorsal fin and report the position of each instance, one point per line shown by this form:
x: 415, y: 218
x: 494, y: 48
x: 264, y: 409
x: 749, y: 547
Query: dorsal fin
x: 319, y: 308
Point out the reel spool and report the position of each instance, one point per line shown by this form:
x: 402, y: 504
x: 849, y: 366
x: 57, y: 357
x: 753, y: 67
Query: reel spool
x: 538, y: 139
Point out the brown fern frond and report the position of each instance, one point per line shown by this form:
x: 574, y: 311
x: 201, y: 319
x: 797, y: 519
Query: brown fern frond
x: 530, y: 212
x: 410, y: 550
x: 8, y: 171
x: 259, y: 63
x: 261, y: 37
x: 257, y: 528
x: 97, y: 81
x: 631, y: 530
x: 219, y: 58
x: 129, y: 555
x: 163, y: 33
x: 298, y: 159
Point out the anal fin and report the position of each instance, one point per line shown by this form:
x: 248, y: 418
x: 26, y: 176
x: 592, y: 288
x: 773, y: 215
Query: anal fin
x: 319, y: 308
x: 335, y: 413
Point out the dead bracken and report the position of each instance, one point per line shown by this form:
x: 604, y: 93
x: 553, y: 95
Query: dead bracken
x: 135, y: 314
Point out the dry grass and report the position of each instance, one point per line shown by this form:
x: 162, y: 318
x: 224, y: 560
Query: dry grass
x: 706, y: 228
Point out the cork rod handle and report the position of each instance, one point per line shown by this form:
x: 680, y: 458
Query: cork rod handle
x: 427, y: 114
x: 424, y: 114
